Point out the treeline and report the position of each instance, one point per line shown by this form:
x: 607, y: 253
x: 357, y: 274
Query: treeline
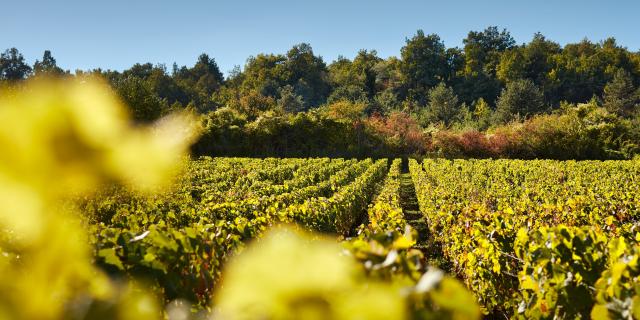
x: 490, y: 98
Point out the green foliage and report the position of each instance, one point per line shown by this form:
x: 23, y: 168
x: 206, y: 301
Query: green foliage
x: 385, y: 250
x: 289, y: 101
x: 305, y: 72
x: 560, y: 265
x: 385, y: 213
x: 180, y: 242
x: 306, y: 134
x: 182, y: 263
x: 13, y: 66
x: 443, y: 104
x: 387, y: 101
x: 87, y: 231
x: 349, y: 93
x: 355, y: 80
x: 145, y: 104
x: 345, y: 110
x: 200, y: 82
x: 511, y: 66
x: 424, y: 64
x: 537, y: 239
x: 481, y: 114
x: 521, y: 98
x: 591, y: 131
x: 427, y: 81
x: 482, y: 49
x: 620, y: 95
x: 47, y: 66
x: 618, y: 290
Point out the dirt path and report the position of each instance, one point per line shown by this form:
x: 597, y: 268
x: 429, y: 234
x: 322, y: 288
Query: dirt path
x: 425, y: 243
x: 410, y: 208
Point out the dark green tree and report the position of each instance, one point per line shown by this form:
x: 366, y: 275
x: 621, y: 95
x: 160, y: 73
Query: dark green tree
x: 455, y: 66
x: 200, y: 82
x: 482, y: 49
x: 141, y: 99
x: 386, y: 101
x: 140, y: 70
x: 359, y: 76
x: 308, y: 75
x: 538, y: 58
x: 621, y: 96
x: 13, y: 66
x: 206, y: 74
x: 443, y: 104
x: 305, y: 72
x: 157, y: 78
x: 289, y: 101
x: 520, y: 98
x: 363, y: 67
x: 583, y: 69
x: 482, y: 53
x: 424, y: 64
x: 166, y: 87
x: 47, y: 66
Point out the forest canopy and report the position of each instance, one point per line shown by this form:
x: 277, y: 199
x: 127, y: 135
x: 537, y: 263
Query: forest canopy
x: 469, y: 101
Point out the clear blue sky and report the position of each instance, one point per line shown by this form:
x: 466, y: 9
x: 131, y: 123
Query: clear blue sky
x: 116, y: 34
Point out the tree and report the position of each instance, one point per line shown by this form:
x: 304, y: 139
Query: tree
x: 388, y: 75
x: 358, y: 77
x: 476, y: 86
x: 538, y: 58
x: 482, y: 49
x: 455, y: 66
x: 264, y: 73
x: 305, y: 72
x: 308, y: 75
x: 207, y: 74
x: 387, y: 101
x: 163, y: 85
x: 482, y: 114
x: 346, y: 111
x: 482, y: 53
x: 12, y: 66
x: 353, y: 93
x: 139, y: 96
x: 511, y: 66
x: 583, y: 69
x: 47, y: 66
x: 200, y: 81
x: 424, y: 64
x: 520, y: 98
x: 142, y: 71
x: 253, y: 104
x: 289, y: 101
x: 533, y: 61
x: 443, y: 104
x: 620, y: 96
x: 364, y: 64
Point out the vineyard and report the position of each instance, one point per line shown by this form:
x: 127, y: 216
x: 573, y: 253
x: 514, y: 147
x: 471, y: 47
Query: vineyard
x: 102, y: 219
x: 217, y: 207
x: 530, y: 239
x: 493, y: 179
x: 538, y: 239
x: 94, y: 227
